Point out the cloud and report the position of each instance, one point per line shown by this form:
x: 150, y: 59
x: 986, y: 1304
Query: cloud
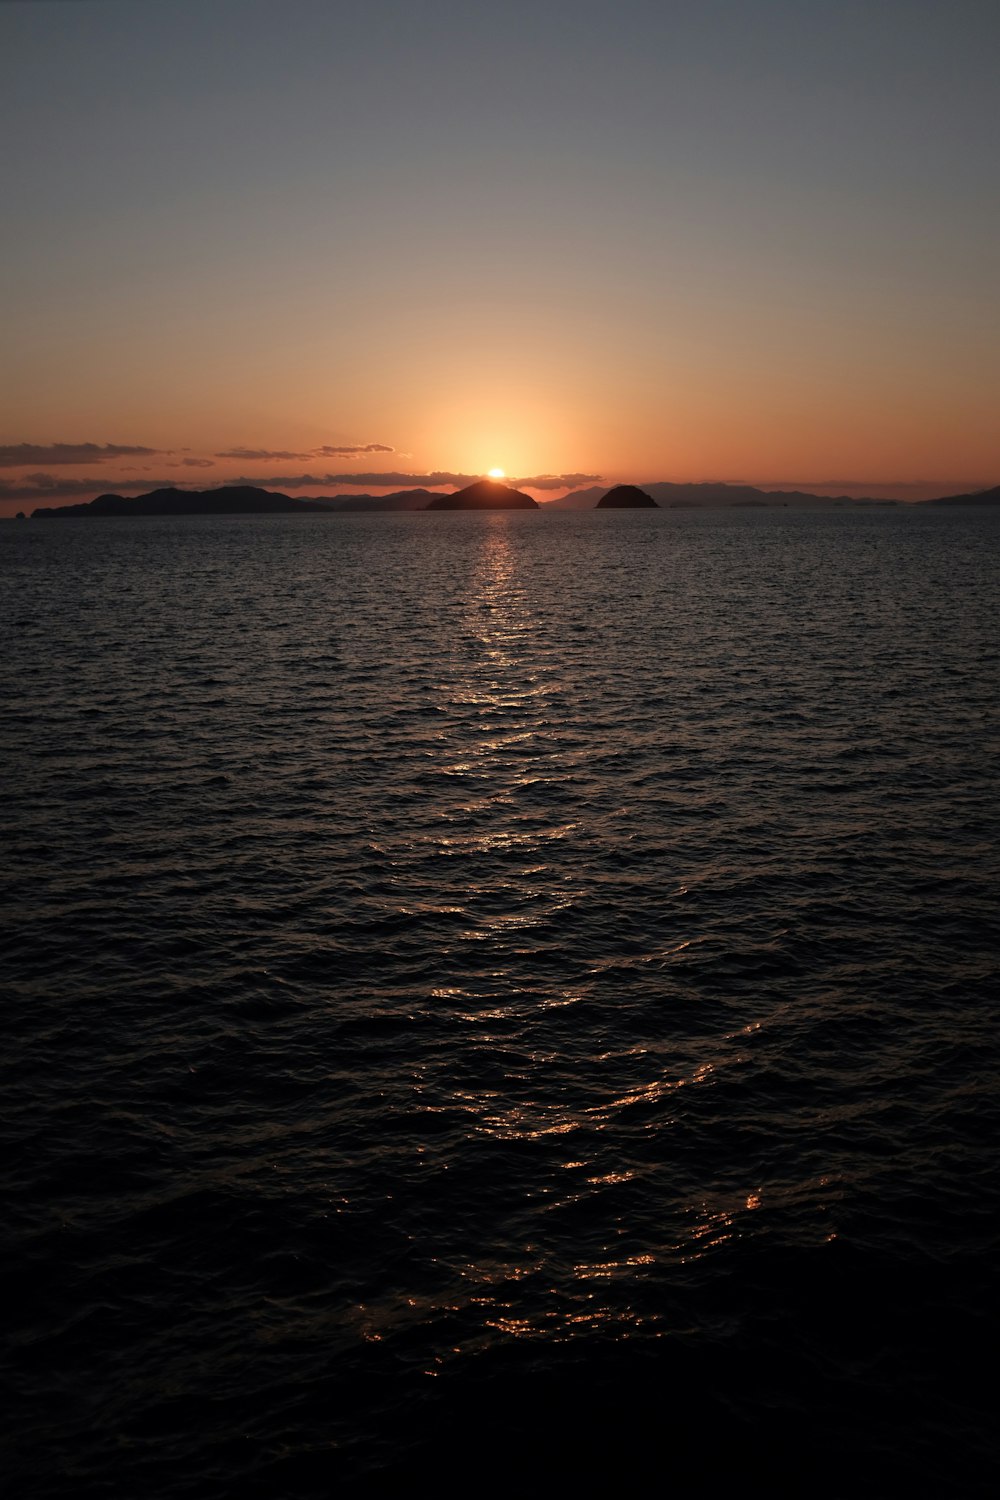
x: 384, y: 481
x: 395, y: 480
x: 558, y: 481
x: 391, y: 481
x: 50, y: 482
x: 265, y: 455
x: 278, y: 455
x: 41, y: 486
x: 352, y: 451
x: 36, y: 486
x: 281, y: 481
x: 13, y: 455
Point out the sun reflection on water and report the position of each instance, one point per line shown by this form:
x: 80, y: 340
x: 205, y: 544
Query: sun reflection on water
x: 499, y: 822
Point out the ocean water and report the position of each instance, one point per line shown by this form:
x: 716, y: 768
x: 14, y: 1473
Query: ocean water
x: 502, y: 1001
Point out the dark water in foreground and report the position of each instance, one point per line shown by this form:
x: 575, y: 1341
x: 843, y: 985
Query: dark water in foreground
x: 506, y: 1000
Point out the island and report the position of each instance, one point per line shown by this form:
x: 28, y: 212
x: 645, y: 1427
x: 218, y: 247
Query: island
x: 978, y: 497
x: 626, y: 497
x: 228, y: 500
x: 485, y: 494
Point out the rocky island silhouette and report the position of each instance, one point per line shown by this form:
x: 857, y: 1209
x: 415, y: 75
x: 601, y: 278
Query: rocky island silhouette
x: 485, y: 494
x: 626, y: 497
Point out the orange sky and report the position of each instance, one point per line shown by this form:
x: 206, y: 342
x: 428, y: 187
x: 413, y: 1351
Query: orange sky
x: 691, y: 245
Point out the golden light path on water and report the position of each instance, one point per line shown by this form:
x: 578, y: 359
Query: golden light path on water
x: 507, y: 695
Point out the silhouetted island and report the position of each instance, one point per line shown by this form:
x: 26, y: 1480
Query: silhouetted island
x: 626, y: 497
x: 485, y: 494
x: 229, y: 500
x: 699, y: 496
x: 978, y: 497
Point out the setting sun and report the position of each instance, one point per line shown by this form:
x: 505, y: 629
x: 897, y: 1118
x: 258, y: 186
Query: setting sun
x: 497, y: 474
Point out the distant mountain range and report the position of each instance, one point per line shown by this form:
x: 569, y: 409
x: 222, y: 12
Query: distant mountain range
x: 483, y: 495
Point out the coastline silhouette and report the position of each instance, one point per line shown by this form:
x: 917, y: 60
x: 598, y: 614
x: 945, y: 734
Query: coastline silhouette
x: 484, y: 494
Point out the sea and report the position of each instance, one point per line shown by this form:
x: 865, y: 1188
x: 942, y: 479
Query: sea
x: 501, y: 1003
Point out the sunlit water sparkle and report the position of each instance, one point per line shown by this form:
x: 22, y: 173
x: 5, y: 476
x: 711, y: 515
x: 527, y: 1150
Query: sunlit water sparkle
x: 510, y: 989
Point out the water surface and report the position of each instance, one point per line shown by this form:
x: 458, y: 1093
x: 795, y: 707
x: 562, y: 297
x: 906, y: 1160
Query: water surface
x: 501, y: 998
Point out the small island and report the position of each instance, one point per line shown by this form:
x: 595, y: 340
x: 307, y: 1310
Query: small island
x: 485, y: 494
x: 626, y: 497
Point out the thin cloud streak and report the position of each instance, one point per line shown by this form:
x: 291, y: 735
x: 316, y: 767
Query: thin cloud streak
x: 15, y: 455
x: 395, y: 480
x: 277, y: 455
x: 351, y: 452
x: 264, y: 455
x: 42, y: 486
x: 558, y: 481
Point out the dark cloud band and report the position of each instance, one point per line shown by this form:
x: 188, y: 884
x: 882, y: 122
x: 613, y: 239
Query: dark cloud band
x: 44, y: 486
x: 278, y: 455
x: 558, y: 481
x: 14, y: 455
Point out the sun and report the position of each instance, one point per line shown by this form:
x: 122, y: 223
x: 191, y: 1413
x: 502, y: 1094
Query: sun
x: 497, y: 474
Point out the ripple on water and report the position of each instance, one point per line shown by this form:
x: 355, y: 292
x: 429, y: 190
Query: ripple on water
x: 519, y: 985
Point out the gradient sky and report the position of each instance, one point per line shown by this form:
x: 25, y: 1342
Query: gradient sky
x: 714, y: 240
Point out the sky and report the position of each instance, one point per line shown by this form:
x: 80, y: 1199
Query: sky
x: 333, y: 248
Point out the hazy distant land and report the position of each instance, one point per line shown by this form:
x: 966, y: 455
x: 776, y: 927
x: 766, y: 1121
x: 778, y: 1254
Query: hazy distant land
x: 483, y: 495
x: 979, y: 497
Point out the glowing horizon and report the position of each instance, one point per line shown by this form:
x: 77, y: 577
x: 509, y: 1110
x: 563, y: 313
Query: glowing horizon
x: 772, y: 257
